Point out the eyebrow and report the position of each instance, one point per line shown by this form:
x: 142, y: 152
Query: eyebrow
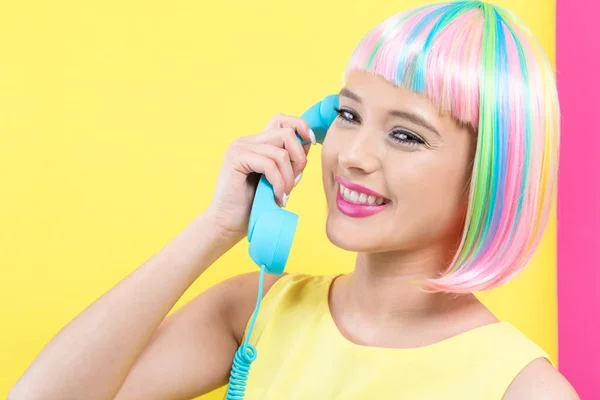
x: 417, y: 119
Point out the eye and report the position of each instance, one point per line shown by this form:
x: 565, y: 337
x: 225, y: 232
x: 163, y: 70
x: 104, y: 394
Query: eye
x: 345, y: 115
x: 406, y: 137
x: 398, y: 135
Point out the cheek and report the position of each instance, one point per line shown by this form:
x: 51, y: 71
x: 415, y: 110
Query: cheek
x: 329, y: 150
x: 430, y: 195
x: 448, y: 177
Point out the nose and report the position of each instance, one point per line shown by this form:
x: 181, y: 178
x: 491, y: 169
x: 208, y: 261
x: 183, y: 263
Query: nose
x: 360, y: 152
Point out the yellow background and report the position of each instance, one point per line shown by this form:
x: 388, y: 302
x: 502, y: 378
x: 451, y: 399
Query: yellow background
x: 114, y: 117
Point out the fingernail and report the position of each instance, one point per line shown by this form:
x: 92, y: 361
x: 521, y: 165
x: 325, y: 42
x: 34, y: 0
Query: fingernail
x: 285, y: 199
x: 313, y: 139
x: 297, y: 179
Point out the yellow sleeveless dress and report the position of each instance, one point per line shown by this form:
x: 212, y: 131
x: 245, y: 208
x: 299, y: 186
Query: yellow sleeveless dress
x: 301, y: 354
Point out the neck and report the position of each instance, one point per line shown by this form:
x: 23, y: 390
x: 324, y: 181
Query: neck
x: 384, y: 286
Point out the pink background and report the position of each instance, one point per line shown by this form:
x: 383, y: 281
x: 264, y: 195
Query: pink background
x: 578, y: 77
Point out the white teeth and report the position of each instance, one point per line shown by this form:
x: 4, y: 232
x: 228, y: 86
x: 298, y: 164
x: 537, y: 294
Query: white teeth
x: 359, y: 198
x: 346, y: 193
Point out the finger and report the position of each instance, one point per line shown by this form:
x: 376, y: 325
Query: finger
x: 282, y: 159
x: 286, y: 138
x: 296, y: 151
x: 256, y: 162
x: 297, y: 123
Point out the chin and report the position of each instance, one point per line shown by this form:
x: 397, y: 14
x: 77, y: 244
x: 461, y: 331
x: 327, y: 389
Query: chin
x: 350, y: 238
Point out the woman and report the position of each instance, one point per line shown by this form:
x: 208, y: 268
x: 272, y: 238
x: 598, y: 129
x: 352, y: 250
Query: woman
x: 447, y: 129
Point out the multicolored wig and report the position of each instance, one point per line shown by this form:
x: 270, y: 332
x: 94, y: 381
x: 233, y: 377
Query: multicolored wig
x: 479, y: 63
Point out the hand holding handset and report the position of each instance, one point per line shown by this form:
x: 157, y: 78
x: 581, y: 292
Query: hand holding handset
x: 271, y: 229
x: 270, y: 233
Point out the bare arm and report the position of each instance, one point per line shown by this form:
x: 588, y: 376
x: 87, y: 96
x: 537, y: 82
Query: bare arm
x: 91, y: 356
x: 115, y: 347
x: 193, y: 349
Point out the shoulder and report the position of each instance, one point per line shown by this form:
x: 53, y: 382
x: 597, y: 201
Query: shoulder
x: 540, y: 380
x: 239, y: 294
x: 278, y: 293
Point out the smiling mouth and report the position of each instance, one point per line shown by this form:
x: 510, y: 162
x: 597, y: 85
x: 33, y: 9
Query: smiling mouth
x: 355, y: 197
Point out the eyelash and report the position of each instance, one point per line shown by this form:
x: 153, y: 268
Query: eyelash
x: 416, y: 141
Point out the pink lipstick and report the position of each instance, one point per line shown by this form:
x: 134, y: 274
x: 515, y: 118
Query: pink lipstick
x: 352, y: 209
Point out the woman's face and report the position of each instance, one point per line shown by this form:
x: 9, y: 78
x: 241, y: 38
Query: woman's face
x: 394, y: 142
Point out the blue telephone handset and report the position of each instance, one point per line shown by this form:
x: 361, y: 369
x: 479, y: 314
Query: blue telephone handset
x: 271, y: 231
